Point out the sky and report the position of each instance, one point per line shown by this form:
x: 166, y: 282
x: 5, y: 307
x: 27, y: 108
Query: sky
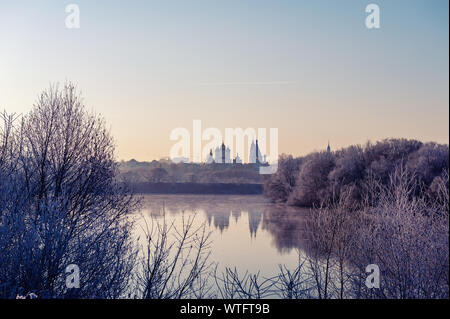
x: 312, y: 69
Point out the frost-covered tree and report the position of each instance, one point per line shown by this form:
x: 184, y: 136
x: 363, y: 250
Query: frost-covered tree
x: 60, y: 202
x: 279, y: 186
x: 312, y: 182
x: 407, y: 237
x: 320, y: 177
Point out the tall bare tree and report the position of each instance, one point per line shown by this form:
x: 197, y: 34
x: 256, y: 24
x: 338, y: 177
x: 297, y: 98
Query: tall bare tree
x: 68, y: 208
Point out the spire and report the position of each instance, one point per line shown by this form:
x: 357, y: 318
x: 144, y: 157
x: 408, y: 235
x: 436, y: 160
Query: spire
x: 223, y: 152
x: 257, y: 151
x: 328, y: 147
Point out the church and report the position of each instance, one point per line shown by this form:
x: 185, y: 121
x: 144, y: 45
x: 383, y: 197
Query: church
x: 222, y: 155
x: 255, y: 154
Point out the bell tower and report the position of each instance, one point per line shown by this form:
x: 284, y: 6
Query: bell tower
x: 257, y: 152
x: 223, y: 153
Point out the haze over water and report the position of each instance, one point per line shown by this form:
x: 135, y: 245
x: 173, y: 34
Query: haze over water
x: 248, y: 232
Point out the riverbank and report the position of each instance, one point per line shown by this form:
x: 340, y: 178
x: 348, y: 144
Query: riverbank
x: 198, y: 188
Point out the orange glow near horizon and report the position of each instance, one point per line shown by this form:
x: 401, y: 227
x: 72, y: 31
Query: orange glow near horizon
x: 310, y: 69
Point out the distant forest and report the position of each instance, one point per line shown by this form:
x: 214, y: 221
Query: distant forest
x: 165, y: 171
x: 321, y: 177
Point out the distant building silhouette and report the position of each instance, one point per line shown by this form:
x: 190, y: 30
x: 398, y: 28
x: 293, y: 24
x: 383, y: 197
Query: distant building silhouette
x: 222, y: 155
x: 255, y: 153
x: 177, y: 160
x: 237, y: 160
x: 217, y: 155
x: 328, y: 147
x: 210, y: 158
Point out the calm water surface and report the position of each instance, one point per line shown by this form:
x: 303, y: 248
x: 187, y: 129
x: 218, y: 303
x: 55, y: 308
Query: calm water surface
x: 248, y: 232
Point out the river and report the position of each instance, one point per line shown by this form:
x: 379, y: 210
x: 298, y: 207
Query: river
x: 247, y: 232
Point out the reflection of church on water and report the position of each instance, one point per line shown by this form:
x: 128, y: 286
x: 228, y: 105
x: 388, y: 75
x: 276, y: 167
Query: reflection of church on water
x: 221, y: 220
x: 254, y: 219
x: 236, y: 214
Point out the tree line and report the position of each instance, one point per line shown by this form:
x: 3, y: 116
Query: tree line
x: 321, y: 177
x: 166, y: 171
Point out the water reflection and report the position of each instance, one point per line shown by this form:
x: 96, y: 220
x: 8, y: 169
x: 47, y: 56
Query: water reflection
x: 285, y: 225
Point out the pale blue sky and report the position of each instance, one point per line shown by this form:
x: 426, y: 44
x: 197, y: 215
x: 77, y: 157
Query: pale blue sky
x: 310, y: 68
